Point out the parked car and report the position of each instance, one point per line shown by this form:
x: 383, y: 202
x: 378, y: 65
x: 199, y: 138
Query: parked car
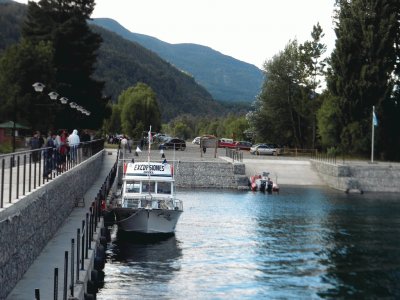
x: 161, y: 138
x: 174, y: 143
x: 242, y: 145
x: 226, y: 143
x: 264, y: 149
x: 196, y: 141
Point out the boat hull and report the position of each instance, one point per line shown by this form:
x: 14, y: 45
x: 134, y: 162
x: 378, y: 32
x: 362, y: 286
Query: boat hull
x: 148, y: 221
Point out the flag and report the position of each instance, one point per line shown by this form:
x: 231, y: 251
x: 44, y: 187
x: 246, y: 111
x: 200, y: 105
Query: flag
x: 374, y: 119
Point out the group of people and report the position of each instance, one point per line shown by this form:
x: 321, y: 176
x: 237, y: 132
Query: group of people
x: 58, y: 146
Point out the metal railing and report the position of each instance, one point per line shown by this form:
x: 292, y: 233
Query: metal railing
x: 24, y: 171
x: 74, y: 260
x: 298, y: 152
x: 325, y: 157
x: 234, y: 154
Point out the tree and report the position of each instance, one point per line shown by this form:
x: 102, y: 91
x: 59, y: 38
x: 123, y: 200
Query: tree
x: 282, y: 109
x: 362, y: 65
x: 139, y: 110
x: 18, y: 66
x: 63, y: 24
x: 311, y: 55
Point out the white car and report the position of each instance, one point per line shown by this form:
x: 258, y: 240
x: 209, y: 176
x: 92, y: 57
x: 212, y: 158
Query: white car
x: 196, y: 141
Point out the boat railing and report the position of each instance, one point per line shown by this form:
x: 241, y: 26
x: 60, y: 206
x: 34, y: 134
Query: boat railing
x: 151, y: 201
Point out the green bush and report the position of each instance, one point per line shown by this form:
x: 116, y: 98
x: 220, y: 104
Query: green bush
x: 5, y: 147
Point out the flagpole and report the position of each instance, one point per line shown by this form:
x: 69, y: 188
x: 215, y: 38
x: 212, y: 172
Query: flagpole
x: 149, y: 137
x: 373, y: 134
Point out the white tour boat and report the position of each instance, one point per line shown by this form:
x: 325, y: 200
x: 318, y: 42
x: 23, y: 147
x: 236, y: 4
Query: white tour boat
x: 147, y: 204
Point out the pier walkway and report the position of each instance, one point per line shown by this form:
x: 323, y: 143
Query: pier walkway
x: 41, y: 273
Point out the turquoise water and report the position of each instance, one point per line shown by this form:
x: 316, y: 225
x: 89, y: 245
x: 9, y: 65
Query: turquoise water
x: 305, y: 243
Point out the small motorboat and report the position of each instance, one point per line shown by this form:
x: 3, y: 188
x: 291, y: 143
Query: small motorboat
x: 264, y: 183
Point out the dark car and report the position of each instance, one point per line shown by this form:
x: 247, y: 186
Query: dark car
x: 174, y: 143
x: 243, y: 145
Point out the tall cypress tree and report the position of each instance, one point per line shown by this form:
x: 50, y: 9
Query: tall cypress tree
x: 63, y: 23
x: 390, y: 111
x: 362, y: 65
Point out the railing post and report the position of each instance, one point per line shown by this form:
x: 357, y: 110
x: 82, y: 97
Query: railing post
x: 83, y: 245
x: 24, y: 177
x: 34, y: 175
x: 40, y: 168
x: 30, y: 171
x: 2, y: 182
x: 91, y: 228
x: 55, y: 285
x: 72, y: 267
x: 78, y: 248
x: 65, y: 275
x: 17, y: 193
x: 37, y: 294
x: 87, y: 236
x: 10, y: 186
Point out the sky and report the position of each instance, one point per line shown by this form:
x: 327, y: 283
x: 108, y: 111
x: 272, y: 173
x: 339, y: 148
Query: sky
x: 249, y: 30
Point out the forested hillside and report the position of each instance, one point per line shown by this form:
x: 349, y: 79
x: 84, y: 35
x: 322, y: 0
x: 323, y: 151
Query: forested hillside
x: 226, y: 78
x: 11, y: 17
x: 122, y: 64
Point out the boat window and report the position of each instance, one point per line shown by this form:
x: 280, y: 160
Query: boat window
x: 163, y: 188
x: 132, y: 187
x: 148, y: 186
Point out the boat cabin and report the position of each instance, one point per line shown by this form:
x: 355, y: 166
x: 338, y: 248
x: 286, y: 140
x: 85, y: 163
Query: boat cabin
x: 148, y: 184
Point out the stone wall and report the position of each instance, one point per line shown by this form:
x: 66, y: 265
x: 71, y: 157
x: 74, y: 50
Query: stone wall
x: 364, y: 178
x: 210, y: 175
x: 28, y: 225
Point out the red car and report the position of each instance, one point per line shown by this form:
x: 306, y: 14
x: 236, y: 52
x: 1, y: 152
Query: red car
x: 226, y: 143
x: 243, y: 145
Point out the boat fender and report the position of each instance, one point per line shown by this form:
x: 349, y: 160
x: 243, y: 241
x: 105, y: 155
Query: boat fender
x: 103, y: 241
x: 172, y: 170
x: 100, y: 278
x: 88, y: 296
x: 91, y: 287
x: 94, y: 276
x: 125, y: 167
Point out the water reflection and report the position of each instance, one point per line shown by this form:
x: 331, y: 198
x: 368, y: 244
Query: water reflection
x: 362, y: 255
x: 134, y: 262
x: 305, y: 243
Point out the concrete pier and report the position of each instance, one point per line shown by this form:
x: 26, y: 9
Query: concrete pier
x: 40, y: 274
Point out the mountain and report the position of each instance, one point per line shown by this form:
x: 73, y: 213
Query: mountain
x: 226, y: 78
x: 122, y: 63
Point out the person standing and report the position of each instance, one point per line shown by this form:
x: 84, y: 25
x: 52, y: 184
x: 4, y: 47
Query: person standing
x: 49, y: 157
x: 73, y: 142
x: 85, y: 139
x: 130, y: 143
x: 63, y: 150
x: 124, y: 145
x: 35, y: 144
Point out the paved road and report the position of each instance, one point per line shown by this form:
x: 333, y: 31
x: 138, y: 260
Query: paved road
x: 289, y: 171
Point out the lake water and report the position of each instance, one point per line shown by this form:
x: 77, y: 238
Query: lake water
x: 305, y: 243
